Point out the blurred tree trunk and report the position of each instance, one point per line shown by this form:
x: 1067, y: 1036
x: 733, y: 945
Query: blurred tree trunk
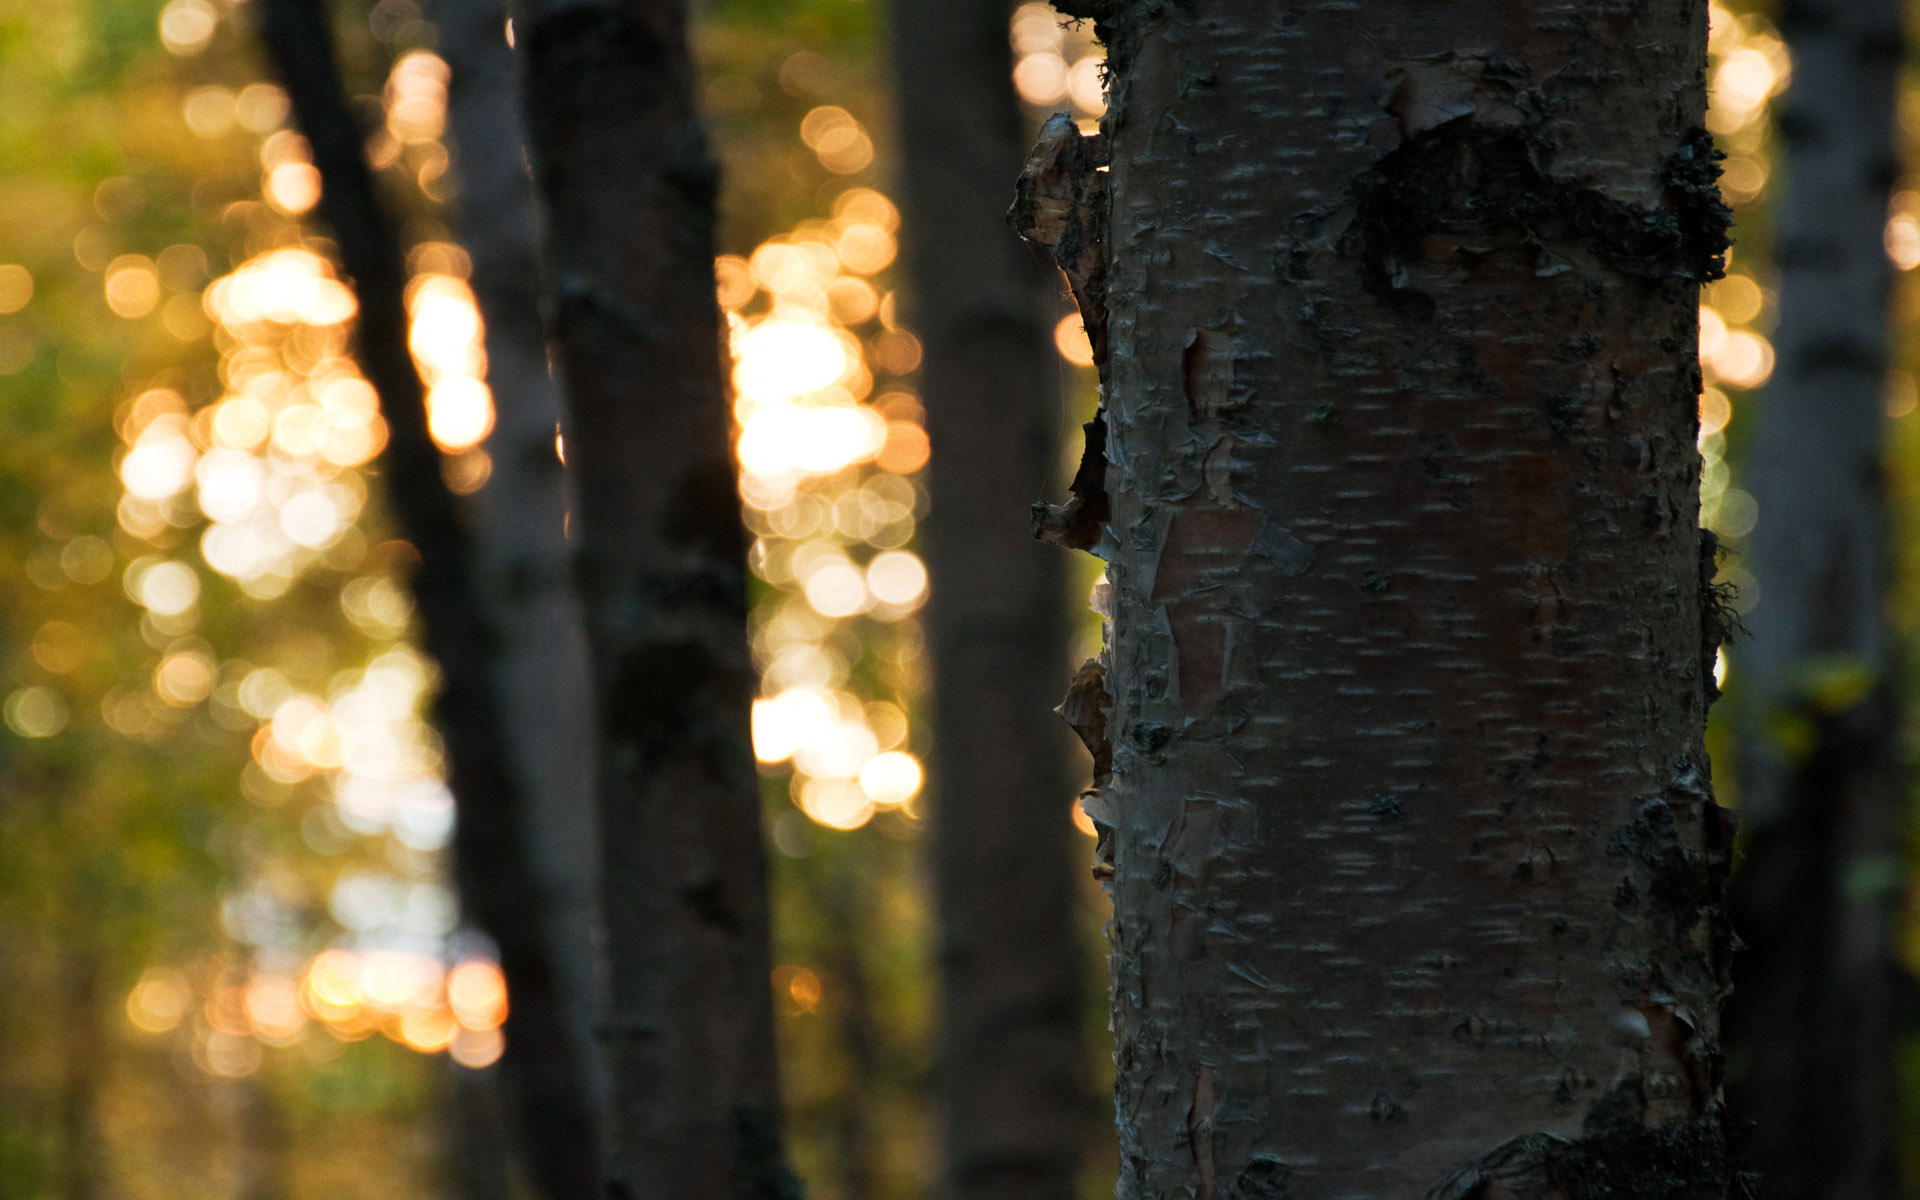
x: 499, y: 888
x: 628, y: 186
x: 1814, y: 1020
x: 478, y: 1134
x: 1012, y: 1065
x: 844, y: 903
x: 520, y: 516
x: 82, y: 1162
x: 1416, y: 867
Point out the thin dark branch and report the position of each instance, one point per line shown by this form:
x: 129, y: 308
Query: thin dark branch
x: 495, y: 877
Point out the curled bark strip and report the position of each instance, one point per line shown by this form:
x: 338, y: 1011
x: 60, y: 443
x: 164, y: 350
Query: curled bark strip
x: 1085, y: 709
x: 1076, y: 524
x: 1060, y: 203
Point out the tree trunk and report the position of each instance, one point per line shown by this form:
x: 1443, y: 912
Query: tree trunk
x: 1013, y: 1065
x: 1416, y: 867
x: 498, y: 887
x: 478, y: 1165
x: 82, y: 1163
x: 520, y: 516
x: 1813, y: 1024
x: 628, y: 185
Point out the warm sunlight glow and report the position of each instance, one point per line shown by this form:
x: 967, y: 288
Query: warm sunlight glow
x: 891, y: 779
x: 186, y: 26
x: 459, y: 412
x: 1070, y: 338
x: 133, y: 287
x: 293, y: 187
x: 796, y: 717
x: 1903, y: 240
x: 477, y: 993
x: 897, y: 577
x: 16, y: 287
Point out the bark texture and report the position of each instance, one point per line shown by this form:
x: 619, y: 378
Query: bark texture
x: 1814, y: 1021
x: 497, y: 883
x: 1012, y: 1065
x: 520, y: 516
x: 628, y: 186
x: 1416, y: 866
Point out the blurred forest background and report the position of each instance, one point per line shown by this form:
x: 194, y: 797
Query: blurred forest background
x: 231, y: 959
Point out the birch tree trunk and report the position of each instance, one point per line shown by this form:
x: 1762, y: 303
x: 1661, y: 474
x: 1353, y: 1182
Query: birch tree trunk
x: 628, y: 186
x: 1813, y: 1025
x: 499, y: 890
x: 520, y: 516
x: 1417, y: 872
x: 1012, y: 1063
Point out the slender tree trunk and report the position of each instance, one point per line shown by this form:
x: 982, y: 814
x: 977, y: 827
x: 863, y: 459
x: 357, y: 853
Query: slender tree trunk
x: 498, y: 886
x: 628, y: 186
x: 1013, y: 1055
x: 845, y: 904
x: 520, y: 516
x: 478, y: 1134
x: 1416, y: 866
x: 82, y: 1173
x: 1813, y: 1023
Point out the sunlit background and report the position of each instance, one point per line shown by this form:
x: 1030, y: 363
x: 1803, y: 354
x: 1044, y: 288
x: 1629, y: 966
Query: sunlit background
x: 270, y: 635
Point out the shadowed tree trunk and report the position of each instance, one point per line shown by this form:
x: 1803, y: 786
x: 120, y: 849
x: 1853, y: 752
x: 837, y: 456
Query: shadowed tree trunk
x: 498, y: 886
x: 1012, y: 1064
x: 1814, y: 1021
x: 82, y: 1163
x: 479, y: 1166
x: 1416, y: 866
x: 628, y: 187
x: 844, y: 902
x: 520, y: 515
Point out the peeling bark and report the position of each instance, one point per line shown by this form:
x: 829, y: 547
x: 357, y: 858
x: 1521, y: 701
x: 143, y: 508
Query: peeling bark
x: 498, y: 888
x: 1060, y: 205
x: 1815, y: 1019
x: 1012, y: 1076
x: 622, y: 166
x: 1417, y: 873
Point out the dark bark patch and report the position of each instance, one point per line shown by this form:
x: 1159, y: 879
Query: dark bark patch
x: 1293, y: 556
x: 1693, y: 188
x: 1616, y: 1155
x: 587, y: 36
x: 1076, y: 524
x: 1151, y: 738
x: 1264, y: 1178
x: 707, y: 899
x: 1677, y: 882
x: 704, y: 513
x: 759, y: 1169
x: 1465, y: 178
x: 658, y: 703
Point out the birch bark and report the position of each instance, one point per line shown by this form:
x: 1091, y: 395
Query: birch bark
x: 1416, y: 866
x: 1814, y: 1022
